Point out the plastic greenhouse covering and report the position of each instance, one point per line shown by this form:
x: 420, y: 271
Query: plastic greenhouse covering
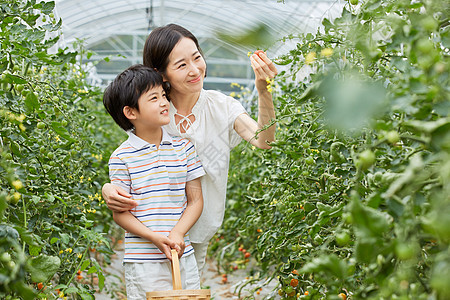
x: 118, y: 29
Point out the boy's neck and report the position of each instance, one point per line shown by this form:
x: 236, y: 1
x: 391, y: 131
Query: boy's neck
x: 152, y: 136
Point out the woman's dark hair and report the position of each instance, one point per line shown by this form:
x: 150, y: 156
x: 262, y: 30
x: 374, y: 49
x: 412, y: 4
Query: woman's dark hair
x: 160, y: 43
x: 126, y: 89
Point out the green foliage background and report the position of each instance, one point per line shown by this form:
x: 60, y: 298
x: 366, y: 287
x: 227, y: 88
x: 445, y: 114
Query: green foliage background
x: 55, y: 142
x: 355, y: 193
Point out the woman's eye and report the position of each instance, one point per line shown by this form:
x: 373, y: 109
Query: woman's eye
x: 198, y: 57
x: 181, y: 66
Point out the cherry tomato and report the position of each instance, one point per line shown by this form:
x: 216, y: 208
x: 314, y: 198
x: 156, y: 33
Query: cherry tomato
x: 294, y: 282
x: 342, y: 296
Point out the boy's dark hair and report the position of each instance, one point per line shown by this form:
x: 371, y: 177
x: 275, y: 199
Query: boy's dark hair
x: 126, y: 89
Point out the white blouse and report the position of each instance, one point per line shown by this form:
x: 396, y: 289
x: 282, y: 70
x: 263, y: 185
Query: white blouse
x: 214, y: 136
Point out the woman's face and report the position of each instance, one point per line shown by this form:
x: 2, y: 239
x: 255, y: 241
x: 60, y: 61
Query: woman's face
x: 186, y: 69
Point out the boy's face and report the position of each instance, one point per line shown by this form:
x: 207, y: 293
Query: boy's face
x: 153, y: 109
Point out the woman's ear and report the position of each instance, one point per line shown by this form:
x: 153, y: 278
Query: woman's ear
x: 130, y: 113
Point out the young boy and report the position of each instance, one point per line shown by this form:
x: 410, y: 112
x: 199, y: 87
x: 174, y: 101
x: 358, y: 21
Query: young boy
x: 162, y: 173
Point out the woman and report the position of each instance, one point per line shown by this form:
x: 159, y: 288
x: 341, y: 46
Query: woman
x: 214, y: 122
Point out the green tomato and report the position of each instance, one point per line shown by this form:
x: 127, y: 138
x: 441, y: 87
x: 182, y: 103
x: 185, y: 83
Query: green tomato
x: 429, y: 23
x: 40, y: 125
x: 6, y: 257
x: 440, y: 67
x: 51, y: 15
x: 306, y: 145
x: 64, y: 123
x: 354, y: 2
x: 366, y: 159
x: 318, y: 240
x: 295, y: 247
x: 50, y: 155
x: 378, y: 176
x: 342, y: 238
x: 404, y: 251
x: 347, y: 217
x: 392, y: 137
x: 288, y: 289
x: 19, y: 87
x: 43, y: 149
x: 425, y: 45
x: 309, y: 160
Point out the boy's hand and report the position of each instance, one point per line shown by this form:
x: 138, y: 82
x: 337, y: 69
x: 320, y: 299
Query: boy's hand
x: 117, y: 199
x: 164, y: 244
x: 178, y: 239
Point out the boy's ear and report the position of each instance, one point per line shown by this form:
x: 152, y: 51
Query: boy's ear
x: 129, y: 112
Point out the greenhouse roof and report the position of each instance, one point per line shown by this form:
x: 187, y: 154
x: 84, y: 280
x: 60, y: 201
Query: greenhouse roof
x: 119, y: 28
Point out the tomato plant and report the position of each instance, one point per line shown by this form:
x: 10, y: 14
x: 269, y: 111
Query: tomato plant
x: 354, y: 192
x: 55, y: 141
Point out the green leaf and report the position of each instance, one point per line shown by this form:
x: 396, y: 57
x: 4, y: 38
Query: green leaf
x: 367, y: 221
x: 65, y: 238
x: 8, y: 232
x: 47, y: 7
x: 71, y: 290
x: 3, y: 203
x: 366, y: 249
x: 86, y: 296
x: 326, y: 264
x: 26, y: 236
x: 43, y: 267
x: 84, y: 265
x: 35, y: 250
x: 31, y: 101
x: 91, y: 270
x: 59, y: 129
x: 16, y: 79
x: 101, y: 280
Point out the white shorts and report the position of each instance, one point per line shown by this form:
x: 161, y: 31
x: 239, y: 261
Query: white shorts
x: 141, y: 278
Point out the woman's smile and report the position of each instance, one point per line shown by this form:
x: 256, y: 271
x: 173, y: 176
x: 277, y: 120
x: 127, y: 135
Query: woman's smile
x: 199, y: 78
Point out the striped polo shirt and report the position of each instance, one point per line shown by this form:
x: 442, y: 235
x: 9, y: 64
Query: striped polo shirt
x: 156, y: 178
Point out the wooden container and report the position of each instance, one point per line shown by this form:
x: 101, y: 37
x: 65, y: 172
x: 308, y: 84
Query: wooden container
x: 178, y: 293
